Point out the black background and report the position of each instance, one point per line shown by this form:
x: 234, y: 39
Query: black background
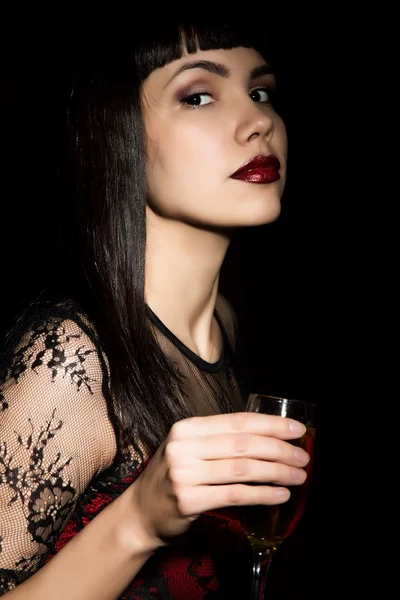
x: 282, y: 279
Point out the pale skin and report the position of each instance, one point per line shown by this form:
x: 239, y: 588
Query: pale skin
x: 193, y: 207
x: 194, y: 204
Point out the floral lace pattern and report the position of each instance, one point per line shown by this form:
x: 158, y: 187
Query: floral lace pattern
x: 46, y: 499
x: 53, y: 483
x: 56, y: 339
x: 31, y: 476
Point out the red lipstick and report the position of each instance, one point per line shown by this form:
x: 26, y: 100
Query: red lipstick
x: 260, y: 169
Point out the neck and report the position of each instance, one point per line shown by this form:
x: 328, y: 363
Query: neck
x: 181, y: 283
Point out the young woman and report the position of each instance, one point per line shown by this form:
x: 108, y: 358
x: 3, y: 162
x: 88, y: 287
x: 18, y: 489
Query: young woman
x: 124, y: 448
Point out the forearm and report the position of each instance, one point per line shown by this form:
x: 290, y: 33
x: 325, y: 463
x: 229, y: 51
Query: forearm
x: 98, y: 563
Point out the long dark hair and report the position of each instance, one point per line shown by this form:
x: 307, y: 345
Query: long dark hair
x: 100, y: 183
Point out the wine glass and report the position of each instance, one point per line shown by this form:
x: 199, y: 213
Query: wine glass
x: 267, y: 527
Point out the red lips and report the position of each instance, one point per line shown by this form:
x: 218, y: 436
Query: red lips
x: 260, y: 169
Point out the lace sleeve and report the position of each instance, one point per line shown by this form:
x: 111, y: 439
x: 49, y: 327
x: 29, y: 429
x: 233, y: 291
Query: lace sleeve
x: 55, y: 436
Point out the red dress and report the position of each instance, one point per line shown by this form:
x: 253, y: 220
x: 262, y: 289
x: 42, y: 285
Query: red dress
x: 60, y: 464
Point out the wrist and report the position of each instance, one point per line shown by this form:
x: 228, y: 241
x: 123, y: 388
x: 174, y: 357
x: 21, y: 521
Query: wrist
x: 131, y: 533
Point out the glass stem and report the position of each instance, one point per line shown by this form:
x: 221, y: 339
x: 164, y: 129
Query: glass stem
x: 261, y: 561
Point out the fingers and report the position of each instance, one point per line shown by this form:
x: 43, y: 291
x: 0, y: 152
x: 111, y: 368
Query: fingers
x: 239, y: 470
x: 236, y: 445
x: 195, y: 500
x: 209, y: 460
x: 247, y: 422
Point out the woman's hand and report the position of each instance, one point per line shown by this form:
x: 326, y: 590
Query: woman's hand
x: 205, y: 463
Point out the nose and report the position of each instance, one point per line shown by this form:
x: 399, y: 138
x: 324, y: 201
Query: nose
x: 255, y: 122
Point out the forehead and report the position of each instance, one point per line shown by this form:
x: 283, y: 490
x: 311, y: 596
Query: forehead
x: 238, y: 60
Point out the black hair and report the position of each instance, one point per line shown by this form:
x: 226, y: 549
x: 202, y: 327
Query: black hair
x: 99, y: 197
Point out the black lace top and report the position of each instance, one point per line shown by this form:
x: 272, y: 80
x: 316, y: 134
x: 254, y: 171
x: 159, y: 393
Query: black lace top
x: 60, y: 465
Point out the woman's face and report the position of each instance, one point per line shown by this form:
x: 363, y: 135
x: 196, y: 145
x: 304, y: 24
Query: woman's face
x: 206, y: 115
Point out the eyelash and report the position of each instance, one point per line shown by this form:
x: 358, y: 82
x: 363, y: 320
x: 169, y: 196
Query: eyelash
x: 185, y: 99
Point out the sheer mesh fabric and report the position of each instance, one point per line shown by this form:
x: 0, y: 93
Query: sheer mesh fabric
x: 60, y: 466
x: 208, y: 388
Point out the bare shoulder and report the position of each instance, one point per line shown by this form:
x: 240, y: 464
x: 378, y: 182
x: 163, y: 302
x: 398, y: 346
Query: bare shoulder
x: 228, y: 317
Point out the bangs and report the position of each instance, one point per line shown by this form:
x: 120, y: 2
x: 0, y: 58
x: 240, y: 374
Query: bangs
x: 171, y: 41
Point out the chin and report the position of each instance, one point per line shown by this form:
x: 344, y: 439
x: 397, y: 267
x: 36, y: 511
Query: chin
x: 264, y: 214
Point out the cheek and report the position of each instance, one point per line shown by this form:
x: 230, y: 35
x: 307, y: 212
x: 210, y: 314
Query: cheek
x: 189, y: 149
x: 173, y: 169
x: 281, y: 133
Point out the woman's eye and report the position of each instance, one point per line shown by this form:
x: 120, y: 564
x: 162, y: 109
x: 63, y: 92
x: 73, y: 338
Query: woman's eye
x: 199, y: 99
x: 261, y: 95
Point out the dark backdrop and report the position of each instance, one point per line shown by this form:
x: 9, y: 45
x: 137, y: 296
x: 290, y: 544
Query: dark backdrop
x: 280, y: 278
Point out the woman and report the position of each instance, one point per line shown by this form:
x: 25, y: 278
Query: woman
x: 124, y: 448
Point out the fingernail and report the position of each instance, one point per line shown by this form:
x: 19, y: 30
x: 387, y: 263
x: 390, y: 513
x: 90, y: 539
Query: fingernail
x: 301, y: 455
x: 296, y: 427
x: 299, y: 476
x: 281, y: 493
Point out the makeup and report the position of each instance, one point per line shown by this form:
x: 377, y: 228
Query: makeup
x: 260, y: 169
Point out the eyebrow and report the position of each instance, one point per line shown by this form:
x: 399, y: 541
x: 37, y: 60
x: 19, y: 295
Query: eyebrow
x: 217, y: 69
